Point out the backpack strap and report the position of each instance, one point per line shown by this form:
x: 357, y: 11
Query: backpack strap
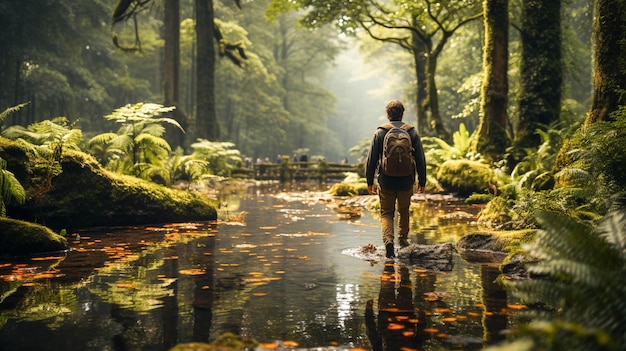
x: 388, y: 126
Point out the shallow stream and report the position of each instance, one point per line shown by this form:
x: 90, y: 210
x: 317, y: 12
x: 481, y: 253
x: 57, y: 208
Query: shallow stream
x: 279, y: 267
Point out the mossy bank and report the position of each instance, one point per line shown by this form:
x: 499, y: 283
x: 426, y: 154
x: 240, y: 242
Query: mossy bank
x: 80, y: 193
x: 22, y: 238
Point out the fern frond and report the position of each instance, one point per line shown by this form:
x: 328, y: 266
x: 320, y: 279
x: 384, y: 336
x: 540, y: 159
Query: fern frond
x: 613, y: 230
x: 4, y: 114
x: 152, y: 141
x: 101, y: 139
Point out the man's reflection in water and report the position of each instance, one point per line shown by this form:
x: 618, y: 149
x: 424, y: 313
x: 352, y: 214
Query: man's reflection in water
x: 396, y: 325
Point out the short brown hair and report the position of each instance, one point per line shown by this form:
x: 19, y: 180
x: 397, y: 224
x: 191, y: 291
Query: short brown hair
x: 395, y: 110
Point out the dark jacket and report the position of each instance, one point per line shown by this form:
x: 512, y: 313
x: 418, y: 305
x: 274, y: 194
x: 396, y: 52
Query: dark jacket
x: 372, y: 165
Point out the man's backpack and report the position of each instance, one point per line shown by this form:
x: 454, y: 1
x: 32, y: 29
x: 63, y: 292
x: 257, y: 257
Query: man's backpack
x: 397, y: 158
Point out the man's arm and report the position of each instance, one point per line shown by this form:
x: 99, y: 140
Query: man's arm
x: 371, y: 164
x: 420, y: 163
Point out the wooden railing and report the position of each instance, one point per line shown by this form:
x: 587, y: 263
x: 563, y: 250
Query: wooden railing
x: 290, y: 171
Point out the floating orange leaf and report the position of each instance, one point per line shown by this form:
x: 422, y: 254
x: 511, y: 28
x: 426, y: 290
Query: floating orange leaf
x: 47, y: 258
x: 515, y: 306
x: 126, y: 285
x: 443, y: 335
x: 357, y: 349
x: 395, y: 326
x: 449, y: 319
x: 442, y: 310
x: 259, y: 294
x: 43, y: 276
x: 268, y: 227
x: 473, y: 314
x: 290, y: 343
x: 192, y: 271
x: 268, y: 346
x: 408, y: 333
x: 431, y: 330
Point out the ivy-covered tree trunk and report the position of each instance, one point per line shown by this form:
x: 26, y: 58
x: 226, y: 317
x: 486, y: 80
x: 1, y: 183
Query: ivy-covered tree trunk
x: 541, y: 70
x: 492, y: 140
x: 609, y: 81
x: 206, y: 117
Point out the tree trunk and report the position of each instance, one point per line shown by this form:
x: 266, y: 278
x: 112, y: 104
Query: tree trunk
x: 206, y: 117
x: 436, y: 123
x: 541, y: 70
x: 609, y: 76
x: 171, y: 74
x: 492, y: 140
x: 419, y: 58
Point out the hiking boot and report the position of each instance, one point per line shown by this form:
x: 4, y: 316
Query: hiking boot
x: 389, y: 248
x: 404, y: 242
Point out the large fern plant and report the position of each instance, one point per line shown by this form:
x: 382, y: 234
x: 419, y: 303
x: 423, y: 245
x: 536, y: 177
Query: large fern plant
x: 138, y: 148
x: 10, y: 188
x: 578, y: 290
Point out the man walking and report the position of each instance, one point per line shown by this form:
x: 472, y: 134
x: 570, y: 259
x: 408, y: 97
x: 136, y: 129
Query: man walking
x: 396, y: 155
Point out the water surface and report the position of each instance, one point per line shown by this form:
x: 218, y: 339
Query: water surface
x: 276, y: 268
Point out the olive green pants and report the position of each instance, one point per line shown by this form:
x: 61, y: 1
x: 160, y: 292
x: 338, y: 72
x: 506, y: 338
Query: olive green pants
x: 388, y: 201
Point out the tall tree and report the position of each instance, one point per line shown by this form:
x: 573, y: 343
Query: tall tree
x: 541, y: 70
x: 492, y: 140
x: 171, y: 70
x: 422, y: 28
x: 207, y: 126
x: 610, y: 61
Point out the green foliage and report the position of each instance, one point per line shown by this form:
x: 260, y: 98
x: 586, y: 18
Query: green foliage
x: 10, y: 188
x: 598, y: 153
x: 342, y: 189
x: 535, y: 170
x: 46, y: 141
x: 439, y: 151
x: 360, y: 150
x: 4, y: 114
x: 138, y: 148
x: 24, y: 238
x: 220, y: 157
x: 186, y: 167
x: 465, y: 177
x: 577, y: 291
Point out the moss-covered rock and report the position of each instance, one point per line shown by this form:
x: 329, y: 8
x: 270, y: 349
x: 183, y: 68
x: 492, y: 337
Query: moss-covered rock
x: 465, y: 177
x: 85, y: 195
x: 21, y: 238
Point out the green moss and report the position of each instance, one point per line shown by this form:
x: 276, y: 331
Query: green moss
x: 515, y: 239
x: 465, y: 177
x: 496, y: 212
x: 225, y: 342
x: 349, y: 189
x: 23, y: 238
x: 342, y: 189
x: 84, y: 194
x: 479, y: 198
